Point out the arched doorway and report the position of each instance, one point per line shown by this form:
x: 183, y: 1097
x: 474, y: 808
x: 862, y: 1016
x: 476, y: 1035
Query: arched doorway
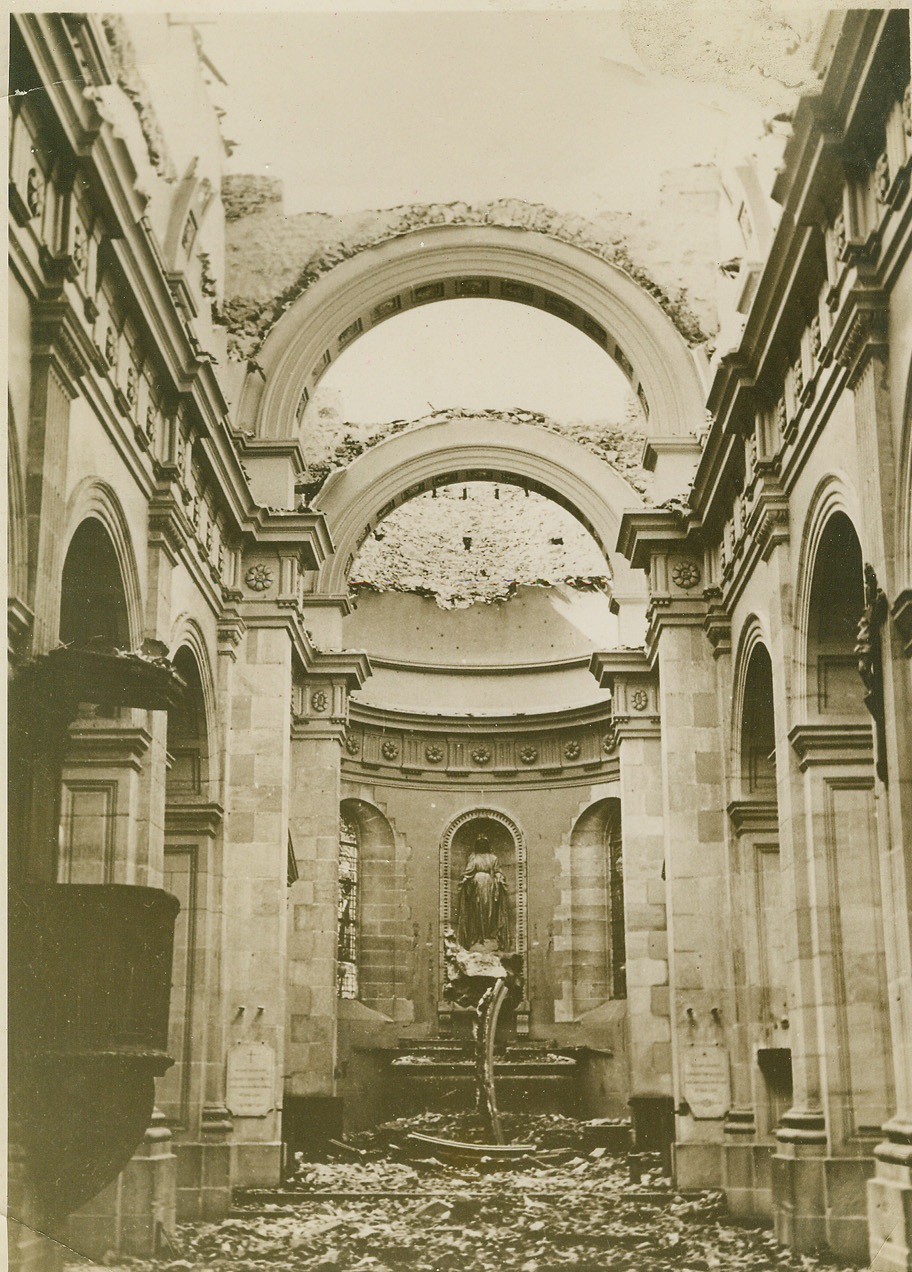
x: 762, y: 1063
x: 835, y: 756
x: 94, y: 803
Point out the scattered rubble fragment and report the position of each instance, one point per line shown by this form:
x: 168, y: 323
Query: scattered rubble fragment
x: 572, y: 1206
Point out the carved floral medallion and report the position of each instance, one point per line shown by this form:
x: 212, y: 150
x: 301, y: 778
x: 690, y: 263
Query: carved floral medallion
x: 259, y: 577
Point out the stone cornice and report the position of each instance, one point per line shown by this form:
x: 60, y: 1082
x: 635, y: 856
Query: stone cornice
x: 303, y: 532
x: 108, y: 745
x: 860, y: 329
x: 532, y: 722
x: 753, y: 816
x: 605, y: 665
x: 193, y: 818
x: 338, y: 600
x: 833, y: 744
x: 823, y: 126
x: 352, y: 666
x: 654, y: 530
x: 560, y: 747
x: 481, y: 669
x: 283, y: 447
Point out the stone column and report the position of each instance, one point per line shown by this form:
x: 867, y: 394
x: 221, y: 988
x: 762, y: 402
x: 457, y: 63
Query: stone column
x: 879, y: 431
x: 798, y: 1163
x: 636, y: 728
x: 56, y: 371
x: 759, y: 1095
x: 318, y: 723
x: 699, y: 936
x: 258, y: 693
x: 192, y: 1093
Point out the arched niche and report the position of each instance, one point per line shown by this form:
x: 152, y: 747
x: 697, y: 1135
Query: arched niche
x: 507, y: 842
x: 591, y: 960
x: 96, y: 502
x: 356, y: 498
x: 192, y: 871
x: 188, y: 735
x: 93, y: 602
x: 757, y: 735
x: 835, y: 605
x: 382, y: 937
x: 762, y: 1060
x: 440, y: 262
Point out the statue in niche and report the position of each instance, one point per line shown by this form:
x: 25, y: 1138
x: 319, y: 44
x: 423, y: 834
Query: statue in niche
x: 483, y: 907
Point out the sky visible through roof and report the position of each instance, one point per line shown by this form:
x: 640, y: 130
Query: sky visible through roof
x: 370, y: 110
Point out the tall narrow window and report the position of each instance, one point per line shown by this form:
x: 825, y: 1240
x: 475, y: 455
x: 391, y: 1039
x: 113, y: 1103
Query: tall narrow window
x: 616, y: 910
x: 347, y: 952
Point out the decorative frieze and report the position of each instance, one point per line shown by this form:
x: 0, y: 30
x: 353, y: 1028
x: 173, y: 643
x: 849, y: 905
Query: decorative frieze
x: 569, y: 749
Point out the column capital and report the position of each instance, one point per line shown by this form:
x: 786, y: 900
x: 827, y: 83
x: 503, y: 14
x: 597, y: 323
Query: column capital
x: 319, y: 705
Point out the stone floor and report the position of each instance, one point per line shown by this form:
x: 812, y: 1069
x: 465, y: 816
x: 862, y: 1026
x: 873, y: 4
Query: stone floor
x: 370, y: 1209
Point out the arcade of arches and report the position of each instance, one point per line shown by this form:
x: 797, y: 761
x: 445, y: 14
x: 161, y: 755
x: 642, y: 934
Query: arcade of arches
x: 664, y: 679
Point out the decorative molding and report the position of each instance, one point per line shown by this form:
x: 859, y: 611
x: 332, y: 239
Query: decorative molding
x: 520, y: 919
x: 754, y: 816
x: 685, y: 574
x: 512, y: 749
x: 512, y: 214
x: 833, y: 744
x: 193, y: 818
x: 121, y: 746
x: 259, y: 577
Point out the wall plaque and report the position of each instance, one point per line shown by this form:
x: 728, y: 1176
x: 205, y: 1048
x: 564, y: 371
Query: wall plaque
x: 706, y: 1081
x: 251, y: 1079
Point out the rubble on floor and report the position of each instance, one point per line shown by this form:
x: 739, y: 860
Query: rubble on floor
x: 568, y: 1207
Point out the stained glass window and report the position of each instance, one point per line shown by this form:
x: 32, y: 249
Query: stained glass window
x: 347, y: 950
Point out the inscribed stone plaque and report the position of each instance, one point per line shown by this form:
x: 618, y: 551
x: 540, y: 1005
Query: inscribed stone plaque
x: 251, y: 1079
x: 706, y: 1081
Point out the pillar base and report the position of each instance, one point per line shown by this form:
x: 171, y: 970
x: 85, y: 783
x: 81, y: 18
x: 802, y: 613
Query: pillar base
x: 799, y: 1214
x: 256, y: 1165
x: 890, y: 1201
x: 204, y: 1170
x: 747, y: 1174
x: 697, y: 1166
x: 819, y: 1201
x: 137, y: 1212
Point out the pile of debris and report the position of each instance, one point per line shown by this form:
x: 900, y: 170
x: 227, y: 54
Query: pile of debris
x: 369, y: 1211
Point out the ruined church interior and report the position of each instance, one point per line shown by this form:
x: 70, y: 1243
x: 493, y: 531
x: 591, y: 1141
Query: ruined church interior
x: 460, y: 637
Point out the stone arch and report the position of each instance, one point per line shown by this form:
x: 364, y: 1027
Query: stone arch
x: 833, y: 498
x: 438, y: 262
x: 593, y: 961
x: 356, y: 498
x: 97, y: 501
x: 452, y: 860
x: 753, y: 732
x: 190, y: 749
x: 194, y: 195
x: 188, y: 640
x: 383, y: 935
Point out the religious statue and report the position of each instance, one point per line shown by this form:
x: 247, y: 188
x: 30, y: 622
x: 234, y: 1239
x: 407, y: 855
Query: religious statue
x: 482, y: 910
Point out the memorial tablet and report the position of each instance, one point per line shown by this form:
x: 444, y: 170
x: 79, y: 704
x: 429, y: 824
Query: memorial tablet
x: 251, y: 1079
x: 706, y: 1081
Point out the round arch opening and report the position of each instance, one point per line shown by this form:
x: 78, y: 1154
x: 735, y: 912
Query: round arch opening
x: 447, y: 262
x: 93, y: 601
